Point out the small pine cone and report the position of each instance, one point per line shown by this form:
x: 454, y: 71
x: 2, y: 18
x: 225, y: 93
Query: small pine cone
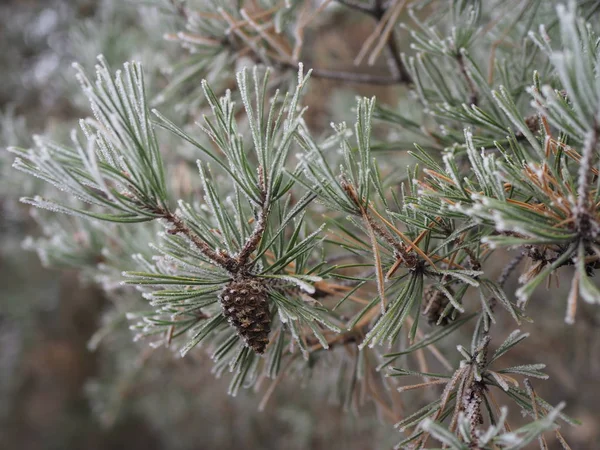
x: 434, y: 303
x: 533, y: 124
x: 244, y: 303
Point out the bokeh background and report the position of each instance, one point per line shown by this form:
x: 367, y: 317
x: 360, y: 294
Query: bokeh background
x: 55, y: 393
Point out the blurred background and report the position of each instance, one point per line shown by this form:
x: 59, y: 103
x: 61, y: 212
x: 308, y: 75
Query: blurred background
x: 56, y: 393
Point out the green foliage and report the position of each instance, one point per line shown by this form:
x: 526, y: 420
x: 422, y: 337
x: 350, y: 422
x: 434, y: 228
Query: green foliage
x: 351, y: 252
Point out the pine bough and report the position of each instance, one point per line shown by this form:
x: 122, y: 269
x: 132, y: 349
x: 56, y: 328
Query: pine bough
x: 290, y: 253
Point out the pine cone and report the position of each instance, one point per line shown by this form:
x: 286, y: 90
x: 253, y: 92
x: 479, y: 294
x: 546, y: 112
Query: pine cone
x: 245, y: 305
x: 434, y: 303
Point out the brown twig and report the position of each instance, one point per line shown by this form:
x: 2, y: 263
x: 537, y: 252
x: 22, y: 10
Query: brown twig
x: 180, y: 227
x: 256, y: 236
x: 237, y: 265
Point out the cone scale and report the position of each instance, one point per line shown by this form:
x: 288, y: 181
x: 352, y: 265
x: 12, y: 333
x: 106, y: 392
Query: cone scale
x: 245, y: 305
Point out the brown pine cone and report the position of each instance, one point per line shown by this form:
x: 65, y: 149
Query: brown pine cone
x: 434, y: 303
x: 245, y: 304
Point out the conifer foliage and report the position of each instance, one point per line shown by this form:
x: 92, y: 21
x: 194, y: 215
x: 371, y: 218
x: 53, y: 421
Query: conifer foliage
x: 295, y: 249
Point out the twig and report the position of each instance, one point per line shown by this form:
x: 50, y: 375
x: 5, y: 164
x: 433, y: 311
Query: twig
x: 181, y: 9
x: 388, y: 37
x: 400, y: 69
x: 348, y: 77
x: 357, y: 5
x: 473, y: 95
x: 254, y: 239
x: 180, y: 227
x: 237, y: 265
x: 585, y: 176
x: 386, y: 19
x: 508, y: 269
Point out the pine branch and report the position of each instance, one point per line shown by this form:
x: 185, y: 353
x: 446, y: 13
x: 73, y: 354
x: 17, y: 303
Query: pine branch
x: 259, y: 228
x: 245, y: 268
x: 401, y: 76
x: 220, y: 258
